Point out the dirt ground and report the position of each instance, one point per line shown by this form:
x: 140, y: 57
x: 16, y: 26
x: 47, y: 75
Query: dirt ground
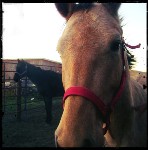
x: 32, y: 131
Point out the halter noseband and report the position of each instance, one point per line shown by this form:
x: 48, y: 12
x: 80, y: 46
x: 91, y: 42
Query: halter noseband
x: 89, y: 95
x: 21, y: 74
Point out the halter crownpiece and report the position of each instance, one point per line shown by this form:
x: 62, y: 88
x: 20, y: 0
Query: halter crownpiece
x: 89, y: 95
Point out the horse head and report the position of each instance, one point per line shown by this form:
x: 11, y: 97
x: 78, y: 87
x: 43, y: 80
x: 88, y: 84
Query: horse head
x: 95, y: 76
x: 92, y: 62
x: 21, y: 70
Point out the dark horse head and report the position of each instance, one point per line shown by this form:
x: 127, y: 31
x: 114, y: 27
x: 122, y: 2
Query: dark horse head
x: 99, y: 97
x: 21, y: 70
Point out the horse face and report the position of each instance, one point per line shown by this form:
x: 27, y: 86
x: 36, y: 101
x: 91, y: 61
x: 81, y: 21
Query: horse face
x: 20, y: 71
x: 91, y: 58
x: 16, y: 77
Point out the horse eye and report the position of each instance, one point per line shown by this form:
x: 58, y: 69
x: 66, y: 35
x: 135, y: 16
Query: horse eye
x: 115, y: 46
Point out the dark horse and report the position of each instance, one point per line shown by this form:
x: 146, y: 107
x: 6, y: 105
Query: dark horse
x: 48, y: 83
x: 102, y: 104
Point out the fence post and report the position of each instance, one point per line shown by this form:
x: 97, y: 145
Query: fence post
x: 19, y: 88
x: 25, y: 96
x: 4, y: 93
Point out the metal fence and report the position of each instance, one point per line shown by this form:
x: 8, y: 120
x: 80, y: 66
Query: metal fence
x: 19, y: 97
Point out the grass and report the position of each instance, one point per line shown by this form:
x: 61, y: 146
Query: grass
x: 10, y: 102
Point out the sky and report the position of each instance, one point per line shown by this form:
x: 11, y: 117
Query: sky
x: 32, y: 30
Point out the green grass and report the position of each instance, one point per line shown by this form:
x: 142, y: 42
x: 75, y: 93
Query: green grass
x: 10, y: 103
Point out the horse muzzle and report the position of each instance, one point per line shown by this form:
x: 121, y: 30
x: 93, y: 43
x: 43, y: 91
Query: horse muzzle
x: 88, y: 142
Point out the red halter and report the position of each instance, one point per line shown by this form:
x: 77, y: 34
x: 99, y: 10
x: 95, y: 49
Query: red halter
x: 89, y: 95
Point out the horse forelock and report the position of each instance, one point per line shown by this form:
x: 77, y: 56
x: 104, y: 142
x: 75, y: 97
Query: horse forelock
x: 111, y: 7
x: 82, y: 6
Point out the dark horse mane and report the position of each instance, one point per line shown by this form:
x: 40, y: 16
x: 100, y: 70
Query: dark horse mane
x: 40, y: 70
x: 86, y: 6
x: 130, y: 58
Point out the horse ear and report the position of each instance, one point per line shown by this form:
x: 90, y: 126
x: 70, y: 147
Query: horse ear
x: 112, y: 7
x: 65, y: 9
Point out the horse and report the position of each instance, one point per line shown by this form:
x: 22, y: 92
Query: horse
x: 48, y: 83
x: 102, y: 105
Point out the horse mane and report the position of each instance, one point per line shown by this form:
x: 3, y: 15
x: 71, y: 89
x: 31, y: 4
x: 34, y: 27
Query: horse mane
x: 39, y: 69
x: 130, y: 58
x: 35, y: 67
